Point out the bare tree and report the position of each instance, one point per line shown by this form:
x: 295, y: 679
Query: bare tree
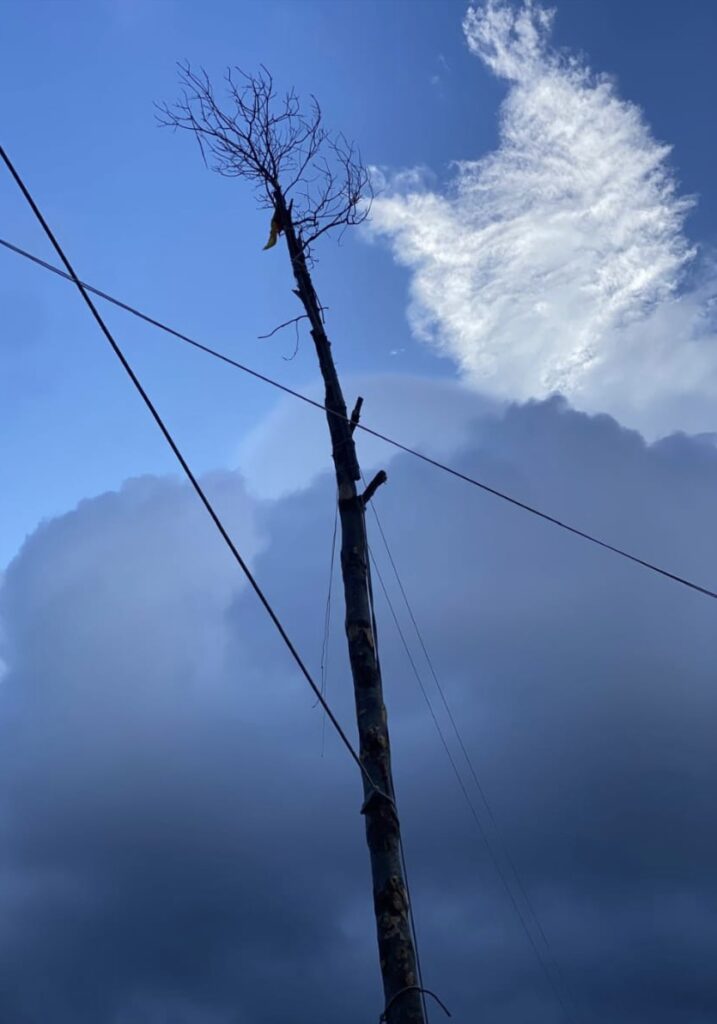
x: 277, y: 146
x: 314, y: 182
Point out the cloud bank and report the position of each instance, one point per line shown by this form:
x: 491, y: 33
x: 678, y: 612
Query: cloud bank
x: 175, y: 850
x: 559, y: 262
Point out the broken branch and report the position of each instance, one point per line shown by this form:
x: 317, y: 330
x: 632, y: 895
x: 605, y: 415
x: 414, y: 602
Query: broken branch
x: 380, y: 478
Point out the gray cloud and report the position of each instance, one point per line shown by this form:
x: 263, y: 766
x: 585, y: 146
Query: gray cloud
x: 175, y: 848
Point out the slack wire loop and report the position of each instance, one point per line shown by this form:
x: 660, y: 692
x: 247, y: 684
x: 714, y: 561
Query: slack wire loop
x: 413, y: 988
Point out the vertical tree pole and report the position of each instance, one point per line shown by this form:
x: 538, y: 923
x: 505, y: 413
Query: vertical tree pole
x: 313, y: 182
x: 397, y: 955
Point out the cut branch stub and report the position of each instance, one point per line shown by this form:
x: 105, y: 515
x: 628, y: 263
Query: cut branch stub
x: 380, y: 478
x: 356, y: 414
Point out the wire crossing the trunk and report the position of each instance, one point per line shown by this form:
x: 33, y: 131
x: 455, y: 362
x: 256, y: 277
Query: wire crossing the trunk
x: 199, y: 490
x: 436, y: 463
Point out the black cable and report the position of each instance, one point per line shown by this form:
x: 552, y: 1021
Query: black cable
x: 188, y: 472
x: 369, y: 430
x: 469, y: 761
x: 402, y: 853
x: 454, y: 724
x: 219, y: 525
x: 412, y: 920
x: 412, y: 988
x: 471, y: 806
x: 324, y: 664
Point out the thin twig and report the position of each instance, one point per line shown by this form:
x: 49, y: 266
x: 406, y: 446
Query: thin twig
x: 296, y: 345
x: 287, y: 323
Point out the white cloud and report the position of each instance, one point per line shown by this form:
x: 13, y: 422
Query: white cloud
x: 558, y: 262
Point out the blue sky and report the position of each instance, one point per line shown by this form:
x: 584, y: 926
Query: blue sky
x: 141, y: 217
x: 533, y: 300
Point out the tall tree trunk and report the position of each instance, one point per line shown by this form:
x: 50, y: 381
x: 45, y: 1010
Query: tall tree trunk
x: 395, y: 943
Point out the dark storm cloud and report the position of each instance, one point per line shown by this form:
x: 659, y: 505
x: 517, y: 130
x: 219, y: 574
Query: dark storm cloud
x: 175, y: 848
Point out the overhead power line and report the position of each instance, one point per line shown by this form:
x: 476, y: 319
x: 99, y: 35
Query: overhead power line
x: 436, y: 463
x: 189, y: 474
x: 483, y: 832
x: 233, y: 549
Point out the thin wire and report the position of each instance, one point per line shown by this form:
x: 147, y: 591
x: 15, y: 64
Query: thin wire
x: 188, y: 472
x: 215, y: 519
x: 412, y: 920
x: 324, y: 668
x: 402, y: 852
x: 465, y: 477
x: 469, y: 761
x: 481, y: 828
x: 412, y: 988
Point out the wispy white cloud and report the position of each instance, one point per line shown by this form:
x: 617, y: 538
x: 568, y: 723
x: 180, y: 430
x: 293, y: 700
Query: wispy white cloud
x: 559, y: 261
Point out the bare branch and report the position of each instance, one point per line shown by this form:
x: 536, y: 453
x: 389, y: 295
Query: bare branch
x: 287, y: 323
x: 282, y: 148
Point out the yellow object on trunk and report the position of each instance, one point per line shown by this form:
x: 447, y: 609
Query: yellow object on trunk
x: 274, y: 232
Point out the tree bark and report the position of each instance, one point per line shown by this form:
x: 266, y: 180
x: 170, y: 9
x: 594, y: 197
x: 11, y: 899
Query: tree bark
x: 396, y: 949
